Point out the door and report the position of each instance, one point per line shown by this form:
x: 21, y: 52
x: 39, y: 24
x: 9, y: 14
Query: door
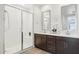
x: 12, y: 30
x: 27, y: 29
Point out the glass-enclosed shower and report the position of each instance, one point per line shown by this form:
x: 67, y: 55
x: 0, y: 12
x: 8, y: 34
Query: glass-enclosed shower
x: 17, y: 29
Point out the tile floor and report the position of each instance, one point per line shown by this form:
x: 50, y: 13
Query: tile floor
x: 34, y: 51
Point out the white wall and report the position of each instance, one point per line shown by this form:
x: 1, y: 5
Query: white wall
x: 55, y: 16
x: 1, y: 29
x: 37, y: 19
x: 78, y: 17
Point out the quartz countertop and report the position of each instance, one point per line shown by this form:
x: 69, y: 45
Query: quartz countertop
x: 62, y: 35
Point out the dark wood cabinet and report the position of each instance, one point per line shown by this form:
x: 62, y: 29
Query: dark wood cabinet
x: 66, y: 45
x: 51, y: 44
x: 73, y: 46
x: 43, y: 42
x: 40, y: 41
x: 57, y: 44
x: 61, y: 45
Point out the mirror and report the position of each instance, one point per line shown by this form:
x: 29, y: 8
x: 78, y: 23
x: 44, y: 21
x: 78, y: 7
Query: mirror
x: 46, y: 17
x: 69, y: 18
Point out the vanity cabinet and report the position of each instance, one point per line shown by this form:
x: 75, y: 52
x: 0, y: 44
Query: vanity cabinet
x: 57, y: 44
x: 45, y: 42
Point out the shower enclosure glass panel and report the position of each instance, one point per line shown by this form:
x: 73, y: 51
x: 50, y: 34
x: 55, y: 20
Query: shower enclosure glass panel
x: 12, y: 29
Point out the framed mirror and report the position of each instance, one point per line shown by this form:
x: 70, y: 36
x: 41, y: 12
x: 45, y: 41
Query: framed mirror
x: 46, y: 21
x: 69, y: 18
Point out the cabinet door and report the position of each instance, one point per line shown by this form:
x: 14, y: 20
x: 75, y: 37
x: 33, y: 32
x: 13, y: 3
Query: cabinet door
x: 73, y: 46
x: 60, y: 45
x: 43, y: 42
x: 38, y: 40
x: 51, y: 44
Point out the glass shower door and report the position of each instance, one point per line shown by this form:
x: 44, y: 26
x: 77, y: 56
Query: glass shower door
x: 12, y: 30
